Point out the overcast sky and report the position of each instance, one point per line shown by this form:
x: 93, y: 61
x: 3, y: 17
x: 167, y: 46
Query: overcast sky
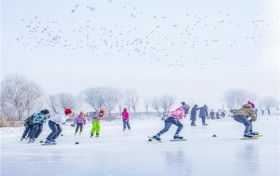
x: 194, y: 50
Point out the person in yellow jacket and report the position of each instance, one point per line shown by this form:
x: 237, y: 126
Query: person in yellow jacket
x: 96, y: 123
x: 246, y: 115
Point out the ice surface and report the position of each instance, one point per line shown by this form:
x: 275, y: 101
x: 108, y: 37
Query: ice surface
x: 118, y: 153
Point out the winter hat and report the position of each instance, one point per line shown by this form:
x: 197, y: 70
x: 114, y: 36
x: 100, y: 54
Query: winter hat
x: 68, y: 111
x: 125, y: 109
x: 102, y: 112
x: 45, y: 111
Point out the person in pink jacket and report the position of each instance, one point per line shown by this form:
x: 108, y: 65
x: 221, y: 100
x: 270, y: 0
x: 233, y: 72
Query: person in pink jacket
x: 80, y: 121
x: 174, y: 118
x: 125, y: 117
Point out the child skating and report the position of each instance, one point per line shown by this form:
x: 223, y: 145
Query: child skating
x: 80, y: 121
x: 96, y: 123
x: 125, y: 117
x: 38, y: 122
x: 54, y: 124
x: 174, y: 118
x: 28, y: 124
x: 242, y: 115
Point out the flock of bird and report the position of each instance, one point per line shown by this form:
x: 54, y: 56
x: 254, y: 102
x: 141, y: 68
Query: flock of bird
x: 193, y: 40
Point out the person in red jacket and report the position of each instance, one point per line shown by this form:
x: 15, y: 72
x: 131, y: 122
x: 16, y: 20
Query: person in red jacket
x: 125, y: 117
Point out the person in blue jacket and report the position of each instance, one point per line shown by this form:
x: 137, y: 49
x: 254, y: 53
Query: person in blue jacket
x: 38, y: 121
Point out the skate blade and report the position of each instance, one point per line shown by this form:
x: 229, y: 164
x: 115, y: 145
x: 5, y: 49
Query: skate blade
x: 49, y: 144
x: 259, y: 135
x: 178, y: 140
x: 154, y: 139
x: 252, y: 138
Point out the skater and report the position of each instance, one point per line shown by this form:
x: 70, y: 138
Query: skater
x: 217, y: 115
x: 80, y: 121
x: 212, y: 114
x: 187, y: 107
x: 174, y: 118
x: 38, y: 122
x: 252, y: 104
x: 96, y: 123
x: 256, y: 112
x: 241, y: 115
x: 54, y: 124
x: 193, y: 114
x: 203, y: 113
x: 28, y: 124
x: 125, y: 117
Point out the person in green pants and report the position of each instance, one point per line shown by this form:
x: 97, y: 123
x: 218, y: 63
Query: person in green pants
x: 96, y: 123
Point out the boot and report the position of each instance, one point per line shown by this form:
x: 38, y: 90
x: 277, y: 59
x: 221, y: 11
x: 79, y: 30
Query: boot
x: 176, y: 136
x: 247, y: 135
x: 254, y: 133
x: 157, y: 137
x: 97, y: 135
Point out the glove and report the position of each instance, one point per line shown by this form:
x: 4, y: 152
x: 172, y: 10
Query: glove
x: 250, y: 120
x: 72, y: 125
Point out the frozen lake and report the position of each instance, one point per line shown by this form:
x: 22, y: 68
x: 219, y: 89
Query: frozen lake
x: 118, y: 153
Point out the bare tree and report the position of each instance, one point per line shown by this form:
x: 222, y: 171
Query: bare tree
x: 147, y: 103
x: 19, y: 95
x: 61, y: 101
x: 94, y: 97
x: 166, y: 101
x: 268, y: 103
x: 234, y: 98
x: 155, y: 102
x: 131, y: 99
x: 102, y: 98
x: 121, y: 105
x: 53, y: 103
x: 111, y: 98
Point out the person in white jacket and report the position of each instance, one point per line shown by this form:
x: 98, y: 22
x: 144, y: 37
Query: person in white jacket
x: 54, y: 124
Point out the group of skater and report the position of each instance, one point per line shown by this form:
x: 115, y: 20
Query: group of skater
x: 34, y: 124
x: 245, y: 115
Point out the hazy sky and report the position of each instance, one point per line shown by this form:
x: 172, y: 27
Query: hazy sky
x: 194, y: 50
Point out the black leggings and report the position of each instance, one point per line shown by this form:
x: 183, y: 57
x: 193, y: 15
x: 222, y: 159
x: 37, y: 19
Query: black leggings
x: 79, y: 125
x: 27, y: 132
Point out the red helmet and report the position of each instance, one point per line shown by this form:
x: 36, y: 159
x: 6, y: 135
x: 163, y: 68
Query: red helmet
x: 68, y: 111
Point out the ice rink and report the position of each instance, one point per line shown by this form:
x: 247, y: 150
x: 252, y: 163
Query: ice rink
x: 118, y: 153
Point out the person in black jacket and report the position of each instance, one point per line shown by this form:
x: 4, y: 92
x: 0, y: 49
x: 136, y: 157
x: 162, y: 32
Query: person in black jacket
x: 193, y: 114
x: 203, y: 113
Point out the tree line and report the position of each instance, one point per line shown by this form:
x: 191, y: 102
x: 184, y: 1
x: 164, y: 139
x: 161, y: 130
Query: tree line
x: 21, y: 97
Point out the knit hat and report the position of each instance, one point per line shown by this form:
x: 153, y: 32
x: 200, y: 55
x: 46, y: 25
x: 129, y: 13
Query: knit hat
x: 102, y: 112
x: 68, y: 111
x: 45, y: 111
